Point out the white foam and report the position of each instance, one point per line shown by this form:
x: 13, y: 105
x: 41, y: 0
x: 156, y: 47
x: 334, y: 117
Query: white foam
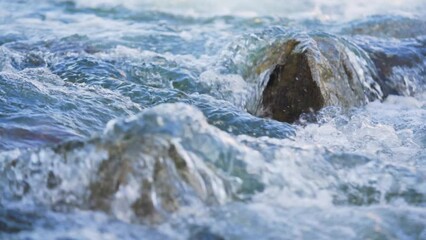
x: 321, y: 9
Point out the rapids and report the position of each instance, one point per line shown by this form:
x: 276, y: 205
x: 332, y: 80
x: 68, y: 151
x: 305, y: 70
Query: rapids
x: 142, y: 119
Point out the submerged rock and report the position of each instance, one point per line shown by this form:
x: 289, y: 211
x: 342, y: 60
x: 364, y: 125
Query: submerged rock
x: 142, y: 169
x: 386, y: 26
x: 324, y: 70
x: 400, y: 65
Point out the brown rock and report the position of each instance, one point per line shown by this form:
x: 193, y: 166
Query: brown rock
x: 313, y: 74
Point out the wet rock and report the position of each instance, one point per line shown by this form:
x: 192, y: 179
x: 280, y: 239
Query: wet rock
x: 162, y: 179
x: 387, y: 27
x: 290, y: 80
x: 142, y: 169
x: 324, y: 70
x: 14, y: 220
x: 398, y: 63
x: 204, y: 233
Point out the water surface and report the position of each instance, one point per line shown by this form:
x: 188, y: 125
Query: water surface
x: 136, y: 120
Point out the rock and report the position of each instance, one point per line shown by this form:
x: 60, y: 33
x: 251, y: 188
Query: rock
x: 386, y: 26
x: 288, y: 82
x: 310, y: 76
x: 392, y: 57
x: 204, y: 233
x: 324, y: 70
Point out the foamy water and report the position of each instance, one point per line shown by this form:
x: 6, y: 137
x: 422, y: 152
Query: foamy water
x: 136, y: 120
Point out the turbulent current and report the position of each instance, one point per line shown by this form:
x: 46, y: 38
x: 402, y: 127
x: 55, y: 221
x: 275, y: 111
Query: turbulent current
x: 146, y: 119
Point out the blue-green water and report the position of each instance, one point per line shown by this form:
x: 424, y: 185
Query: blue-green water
x: 137, y: 120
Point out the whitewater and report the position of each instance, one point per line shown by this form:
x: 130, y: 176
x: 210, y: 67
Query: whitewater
x: 142, y: 119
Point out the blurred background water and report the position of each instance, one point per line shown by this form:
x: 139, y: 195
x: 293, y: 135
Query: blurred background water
x: 133, y: 120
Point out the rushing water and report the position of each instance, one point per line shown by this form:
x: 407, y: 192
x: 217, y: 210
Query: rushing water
x: 137, y: 120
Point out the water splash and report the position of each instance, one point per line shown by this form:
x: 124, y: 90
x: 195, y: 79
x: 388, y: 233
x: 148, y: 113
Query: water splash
x: 127, y: 119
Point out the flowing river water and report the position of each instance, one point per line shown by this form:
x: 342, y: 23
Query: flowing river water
x: 139, y: 120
